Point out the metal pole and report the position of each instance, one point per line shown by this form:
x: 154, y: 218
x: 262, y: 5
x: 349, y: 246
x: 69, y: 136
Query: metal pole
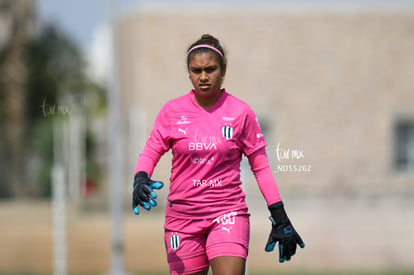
x: 59, y: 221
x: 115, y: 154
x: 58, y: 202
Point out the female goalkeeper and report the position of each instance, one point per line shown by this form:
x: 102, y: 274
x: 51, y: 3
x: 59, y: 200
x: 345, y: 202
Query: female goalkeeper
x: 208, y: 131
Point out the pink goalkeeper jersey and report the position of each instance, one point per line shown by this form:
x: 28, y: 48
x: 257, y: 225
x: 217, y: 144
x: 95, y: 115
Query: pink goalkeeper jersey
x: 207, y: 147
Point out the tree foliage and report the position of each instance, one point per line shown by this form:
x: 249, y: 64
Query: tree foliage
x: 55, y: 70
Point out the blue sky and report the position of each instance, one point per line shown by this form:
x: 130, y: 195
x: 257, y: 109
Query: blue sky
x: 78, y: 18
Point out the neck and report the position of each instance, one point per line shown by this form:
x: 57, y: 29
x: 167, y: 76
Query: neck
x: 207, y: 102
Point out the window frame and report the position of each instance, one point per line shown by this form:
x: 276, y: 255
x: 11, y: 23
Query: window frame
x: 403, y: 145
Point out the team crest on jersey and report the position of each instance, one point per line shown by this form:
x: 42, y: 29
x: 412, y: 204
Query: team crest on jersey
x: 227, y: 132
x: 175, y: 241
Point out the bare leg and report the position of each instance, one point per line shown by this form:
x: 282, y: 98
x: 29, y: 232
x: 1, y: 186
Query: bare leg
x: 227, y: 265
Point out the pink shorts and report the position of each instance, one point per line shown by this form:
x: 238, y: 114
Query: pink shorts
x: 192, y: 244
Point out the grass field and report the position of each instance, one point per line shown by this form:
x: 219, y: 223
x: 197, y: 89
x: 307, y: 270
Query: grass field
x: 26, y: 242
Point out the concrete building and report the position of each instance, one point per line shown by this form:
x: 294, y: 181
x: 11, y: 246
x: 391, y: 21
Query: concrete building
x: 336, y: 86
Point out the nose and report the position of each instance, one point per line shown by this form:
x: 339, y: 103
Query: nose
x: 204, y: 76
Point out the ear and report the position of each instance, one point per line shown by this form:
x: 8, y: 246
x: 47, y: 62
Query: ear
x: 223, y: 70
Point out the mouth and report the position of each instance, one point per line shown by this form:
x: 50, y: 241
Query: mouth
x: 204, y: 87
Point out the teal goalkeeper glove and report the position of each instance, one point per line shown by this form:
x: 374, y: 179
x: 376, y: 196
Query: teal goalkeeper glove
x: 143, y: 194
x: 282, y: 232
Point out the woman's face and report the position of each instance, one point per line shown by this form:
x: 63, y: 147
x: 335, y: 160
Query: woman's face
x: 206, y: 76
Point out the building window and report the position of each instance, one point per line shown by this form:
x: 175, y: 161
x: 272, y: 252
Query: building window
x: 404, y: 146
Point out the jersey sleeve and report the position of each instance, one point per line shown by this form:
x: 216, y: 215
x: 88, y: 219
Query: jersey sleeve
x: 259, y: 164
x: 157, y: 144
x: 251, y: 138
